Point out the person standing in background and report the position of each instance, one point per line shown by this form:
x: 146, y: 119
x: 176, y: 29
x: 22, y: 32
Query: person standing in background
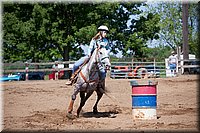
x: 172, y: 62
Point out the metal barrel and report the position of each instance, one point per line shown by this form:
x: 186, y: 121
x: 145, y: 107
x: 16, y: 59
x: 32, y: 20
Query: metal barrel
x: 144, y: 100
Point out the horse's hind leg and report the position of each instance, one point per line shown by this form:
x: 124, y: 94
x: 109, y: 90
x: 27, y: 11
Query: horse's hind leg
x: 99, y: 96
x: 83, y: 100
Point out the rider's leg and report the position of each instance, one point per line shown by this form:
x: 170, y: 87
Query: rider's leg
x: 75, y: 67
x: 102, y: 76
x: 78, y: 63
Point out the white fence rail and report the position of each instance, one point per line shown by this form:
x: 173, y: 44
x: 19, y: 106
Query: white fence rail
x: 191, y: 66
x: 30, y: 70
x: 137, y: 69
x: 118, y: 69
x: 35, y: 67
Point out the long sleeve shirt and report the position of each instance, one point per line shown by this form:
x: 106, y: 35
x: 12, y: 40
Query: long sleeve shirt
x: 99, y: 42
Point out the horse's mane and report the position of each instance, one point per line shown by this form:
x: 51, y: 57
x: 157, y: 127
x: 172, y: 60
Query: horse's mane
x: 92, y: 59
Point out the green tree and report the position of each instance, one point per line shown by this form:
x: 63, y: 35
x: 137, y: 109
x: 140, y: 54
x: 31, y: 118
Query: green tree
x: 144, y: 29
x: 159, y: 52
x: 42, y: 31
x: 171, y: 24
x: 192, y: 29
x: 24, y: 32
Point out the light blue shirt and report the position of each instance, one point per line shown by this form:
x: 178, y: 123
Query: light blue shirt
x: 94, y: 43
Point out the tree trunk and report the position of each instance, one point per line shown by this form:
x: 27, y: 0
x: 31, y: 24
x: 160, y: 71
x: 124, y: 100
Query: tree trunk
x: 198, y: 29
x: 185, y: 31
x: 185, y: 35
x: 67, y: 74
x: 66, y: 53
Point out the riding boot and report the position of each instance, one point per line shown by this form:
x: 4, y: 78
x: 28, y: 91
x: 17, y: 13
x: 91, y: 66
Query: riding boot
x: 69, y: 82
x: 72, y: 79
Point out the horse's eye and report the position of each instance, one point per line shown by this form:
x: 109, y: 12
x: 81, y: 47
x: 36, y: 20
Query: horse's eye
x: 100, y: 52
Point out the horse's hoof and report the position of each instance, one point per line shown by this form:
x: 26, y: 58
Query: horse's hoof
x: 95, y: 111
x: 77, y: 116
x: 112, y: 116
x: 70, y: 116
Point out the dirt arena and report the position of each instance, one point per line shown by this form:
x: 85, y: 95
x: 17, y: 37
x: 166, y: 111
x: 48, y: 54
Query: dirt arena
x: 41, y: 105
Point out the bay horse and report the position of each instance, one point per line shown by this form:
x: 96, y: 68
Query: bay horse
x: 88, y: 79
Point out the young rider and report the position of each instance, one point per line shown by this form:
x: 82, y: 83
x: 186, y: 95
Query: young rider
x: 98, y: 40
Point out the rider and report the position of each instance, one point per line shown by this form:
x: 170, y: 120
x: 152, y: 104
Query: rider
x: 98, y: 40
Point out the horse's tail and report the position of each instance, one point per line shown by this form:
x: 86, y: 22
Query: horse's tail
x: 106, y: 92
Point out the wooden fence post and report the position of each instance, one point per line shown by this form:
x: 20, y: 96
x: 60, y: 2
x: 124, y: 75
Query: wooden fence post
x: 56, y: 70
x: 154, y: 66
x: 26, y: 70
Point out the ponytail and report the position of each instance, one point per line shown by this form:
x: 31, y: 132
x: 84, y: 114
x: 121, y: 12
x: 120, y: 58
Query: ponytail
x: 97, y: 36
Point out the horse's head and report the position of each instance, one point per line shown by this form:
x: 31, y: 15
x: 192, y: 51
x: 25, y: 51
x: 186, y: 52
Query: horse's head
x: 104, y: 57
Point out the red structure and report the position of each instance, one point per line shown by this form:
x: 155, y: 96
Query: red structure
x: 60, y: 75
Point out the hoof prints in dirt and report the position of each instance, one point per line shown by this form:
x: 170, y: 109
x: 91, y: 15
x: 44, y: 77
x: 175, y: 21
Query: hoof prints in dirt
x: 47, y: 120
x: 178, y: 111
x: 113, y: 109
x: 187, y: 80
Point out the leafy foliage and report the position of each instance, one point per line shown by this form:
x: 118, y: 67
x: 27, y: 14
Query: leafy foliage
x: 46, y: 32
x: 171, y: 25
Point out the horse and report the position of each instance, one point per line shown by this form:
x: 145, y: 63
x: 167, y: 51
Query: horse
x: 88, y: 79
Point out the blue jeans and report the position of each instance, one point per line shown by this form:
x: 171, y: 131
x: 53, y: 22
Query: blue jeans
x: 102, y: 73
x: 78, y: 63
x: 172, y: 66
x: 81, y: 61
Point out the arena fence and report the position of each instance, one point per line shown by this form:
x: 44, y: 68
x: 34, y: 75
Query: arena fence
x: 46, y: 67
x: 138, y: 68
x: 191, y: 66
x: 125, y: 69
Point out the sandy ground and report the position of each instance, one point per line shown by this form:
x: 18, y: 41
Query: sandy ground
x: 41, y: 105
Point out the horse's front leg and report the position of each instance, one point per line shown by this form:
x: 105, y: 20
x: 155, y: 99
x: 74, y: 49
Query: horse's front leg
x: 71, y: 104
x: 82, y: 96
x: 100, y: 90
x: 99, y: 96
x: 73, y: 98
